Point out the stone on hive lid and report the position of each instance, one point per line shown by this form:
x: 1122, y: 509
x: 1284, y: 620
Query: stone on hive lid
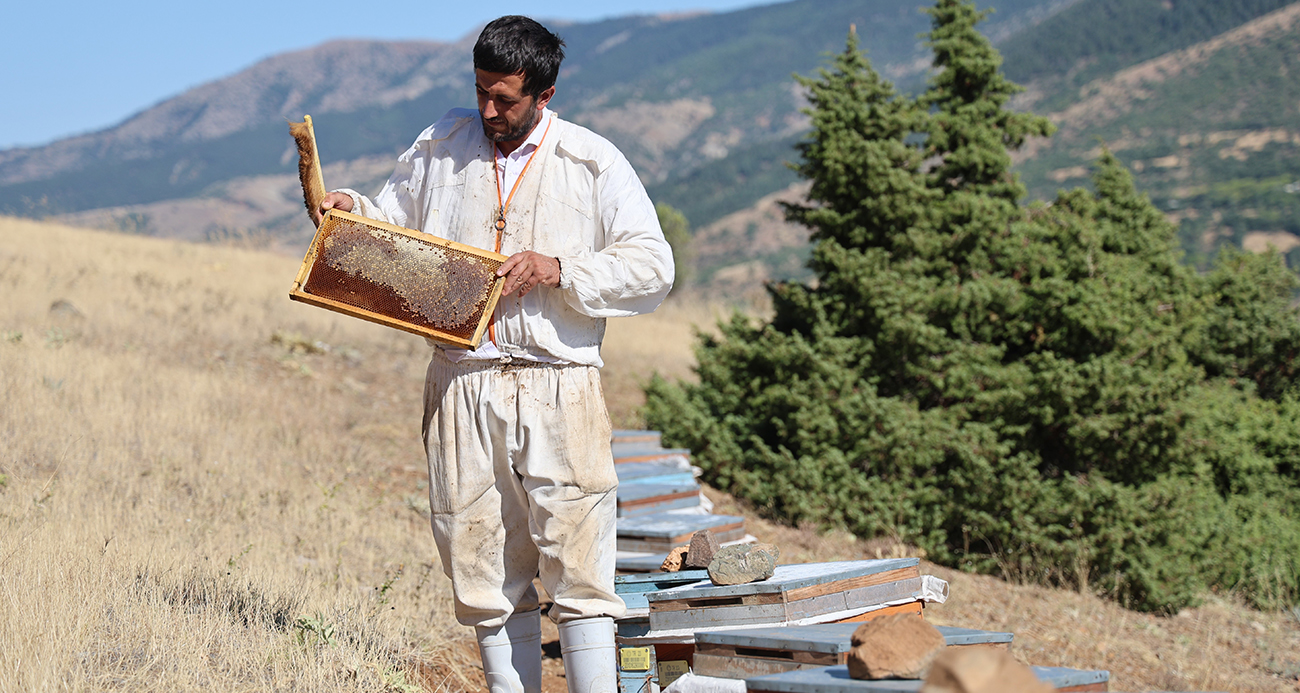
x: 980, y: 670
x: 703, y: 546
x: 673, y: 561
x: 741, y: 564
x: 899, y: 646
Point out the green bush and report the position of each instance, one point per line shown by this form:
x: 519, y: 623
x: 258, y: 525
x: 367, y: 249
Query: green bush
x: 1043, y: 391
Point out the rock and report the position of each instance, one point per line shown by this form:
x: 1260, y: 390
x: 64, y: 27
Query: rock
x: 743, y: 563
x: 703, y: 546
x: 673, y: 561
x: 898, y: 646
x: 980, y: 670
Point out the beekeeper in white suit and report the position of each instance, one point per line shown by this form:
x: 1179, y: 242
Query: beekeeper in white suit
x: 521, y: 476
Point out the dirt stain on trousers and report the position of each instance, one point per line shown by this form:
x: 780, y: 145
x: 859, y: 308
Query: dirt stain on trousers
x: 521, y: 484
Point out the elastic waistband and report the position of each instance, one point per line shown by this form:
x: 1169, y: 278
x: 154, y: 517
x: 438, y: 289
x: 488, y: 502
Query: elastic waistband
x: 506, y: 362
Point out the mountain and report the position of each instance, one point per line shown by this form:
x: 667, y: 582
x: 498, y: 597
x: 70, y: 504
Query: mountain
x: 1197, y: 95
x: 689, y: 95
x: 1211, y: 131
x: 1097, y: 38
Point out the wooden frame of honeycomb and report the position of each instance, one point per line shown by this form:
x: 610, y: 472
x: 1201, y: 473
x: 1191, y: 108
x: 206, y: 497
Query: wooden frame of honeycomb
x: 400, y: 278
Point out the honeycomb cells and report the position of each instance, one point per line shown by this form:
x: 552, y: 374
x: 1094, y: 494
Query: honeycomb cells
x: 401, y: 277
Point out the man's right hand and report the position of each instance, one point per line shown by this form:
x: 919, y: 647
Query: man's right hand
x: 334, y: 200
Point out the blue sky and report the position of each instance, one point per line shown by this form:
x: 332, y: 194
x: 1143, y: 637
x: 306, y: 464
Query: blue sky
x: 68, y: 67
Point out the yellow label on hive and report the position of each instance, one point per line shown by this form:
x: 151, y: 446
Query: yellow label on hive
x: 634, y: 659
x: 671, y: 671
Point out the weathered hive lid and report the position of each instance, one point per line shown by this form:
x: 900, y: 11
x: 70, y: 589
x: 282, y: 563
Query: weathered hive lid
x: 668, y: 525
x: 630, y: 471
x: 623, y: 435
x: 637, y: 492
x: 832, y: 638
x: 652, y: 582
x: 836, y: 679
x: 789, y: 578
x: 641, y: 452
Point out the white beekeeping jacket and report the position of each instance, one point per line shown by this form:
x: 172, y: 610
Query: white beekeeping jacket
x: 579, y: 201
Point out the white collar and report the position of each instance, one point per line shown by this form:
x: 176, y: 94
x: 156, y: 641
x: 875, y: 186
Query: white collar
x: 533, y: 141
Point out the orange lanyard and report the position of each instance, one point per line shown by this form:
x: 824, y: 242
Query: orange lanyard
x: 504, y: 206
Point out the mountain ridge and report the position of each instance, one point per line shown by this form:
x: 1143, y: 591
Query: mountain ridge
x: 334, y: 76
x: 673, y: 93
x: 736, y: 63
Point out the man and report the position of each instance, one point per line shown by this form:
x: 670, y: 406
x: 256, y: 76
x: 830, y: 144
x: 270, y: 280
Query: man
x: 521, y: 478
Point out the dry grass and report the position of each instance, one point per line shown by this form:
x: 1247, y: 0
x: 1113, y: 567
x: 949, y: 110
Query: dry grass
x: 636, y: 348
x: 206, y: 486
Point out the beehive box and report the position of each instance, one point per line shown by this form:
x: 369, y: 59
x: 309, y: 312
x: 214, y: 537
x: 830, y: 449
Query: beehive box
x: 625, y: 453
x: 750, y: 652
x: 634, y: 588
x: 793, y: 594
x: 648, y: 499
x: 671, y: 473
x: 400, y: 278
x: 836, y: 679
x: 662, y: 531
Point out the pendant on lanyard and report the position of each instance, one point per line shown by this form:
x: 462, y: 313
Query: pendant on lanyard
x: 504, y: 206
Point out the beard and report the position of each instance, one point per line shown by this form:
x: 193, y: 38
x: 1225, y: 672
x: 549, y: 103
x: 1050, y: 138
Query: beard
x: 518, y: 132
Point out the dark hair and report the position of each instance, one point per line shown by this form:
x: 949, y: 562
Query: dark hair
x: 515, y: 45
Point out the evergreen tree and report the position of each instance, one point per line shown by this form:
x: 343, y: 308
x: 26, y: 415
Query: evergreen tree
x: 1045, y: 391
x: 677, y: 231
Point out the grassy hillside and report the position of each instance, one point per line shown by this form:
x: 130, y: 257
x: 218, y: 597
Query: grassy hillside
x: 205, y: 486
x: 706, y: 109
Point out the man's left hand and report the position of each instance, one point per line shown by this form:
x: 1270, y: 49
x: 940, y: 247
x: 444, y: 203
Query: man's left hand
x: 526, y: 270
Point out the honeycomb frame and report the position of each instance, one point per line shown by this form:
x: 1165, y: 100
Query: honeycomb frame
x: 322, y: 260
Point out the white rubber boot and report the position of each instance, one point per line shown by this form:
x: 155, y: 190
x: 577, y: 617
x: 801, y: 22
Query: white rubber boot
x: 587, y: 646
x: 525, y: 633
x: 512, y: 654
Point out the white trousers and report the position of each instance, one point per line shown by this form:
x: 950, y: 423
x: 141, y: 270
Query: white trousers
x: 521, y: 485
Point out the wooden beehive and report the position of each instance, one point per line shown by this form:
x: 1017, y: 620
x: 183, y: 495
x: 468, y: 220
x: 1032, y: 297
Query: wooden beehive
x: 794, y: 594
x: 625, y: 453
x: 835, y: 679
x: 650, y: 499
x: 660, y: 532
x: 750, y: 652
x: 654, y: 473
x: 401, y: 278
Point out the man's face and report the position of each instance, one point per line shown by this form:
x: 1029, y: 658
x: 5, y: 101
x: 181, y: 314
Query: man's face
x: 508, y: 115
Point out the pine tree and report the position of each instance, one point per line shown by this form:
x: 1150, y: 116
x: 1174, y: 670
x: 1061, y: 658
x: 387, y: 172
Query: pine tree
x: 1044, y: 391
